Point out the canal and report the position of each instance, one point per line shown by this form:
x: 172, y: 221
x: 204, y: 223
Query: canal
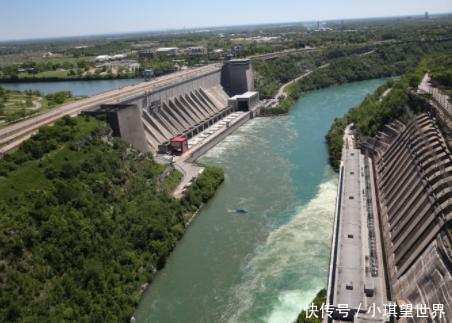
x: 78, y: 88
x: 267, y: 264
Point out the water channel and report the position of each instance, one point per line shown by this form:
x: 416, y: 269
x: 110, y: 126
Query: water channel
x: 78, y: 88
x: 266, y: 265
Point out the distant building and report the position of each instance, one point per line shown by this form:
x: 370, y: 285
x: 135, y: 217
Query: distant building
x: 217, y: 53
x: 167, y: 51
x: 237, y: 49
x: 133, y: 65
x: 257, y: 39
x: 148, y: 73
x: 31, y: 70
x: 244, y: 102
x: 119, y: 57
x: 48, y: 54
x: 426, y: 15
x: 196, y: 51
x: 146, y: 54
x: 103, y: 58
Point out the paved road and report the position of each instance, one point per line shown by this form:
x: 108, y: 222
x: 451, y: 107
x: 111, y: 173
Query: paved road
x: 11, y: 136
x: 352, y: 269
x: 190, y: 172
x: 268, y: 56
x: 283, y: 88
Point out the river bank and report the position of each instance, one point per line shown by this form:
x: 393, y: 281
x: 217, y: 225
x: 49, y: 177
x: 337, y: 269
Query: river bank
x: 374, y: 64
x: 267, y: 264
x: 99, y: 222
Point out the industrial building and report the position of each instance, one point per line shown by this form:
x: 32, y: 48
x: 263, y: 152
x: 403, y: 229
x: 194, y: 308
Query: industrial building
x: 167, y: 51
x: 184, y: 107
x: 413, y: 168
x: 184, y: 103
x: 196, y: 51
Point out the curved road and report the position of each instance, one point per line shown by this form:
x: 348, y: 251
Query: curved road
x: 282, y: 89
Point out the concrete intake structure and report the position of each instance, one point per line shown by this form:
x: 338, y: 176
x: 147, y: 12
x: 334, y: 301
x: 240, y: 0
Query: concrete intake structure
x: 185, y: 102
x: 187, y: 107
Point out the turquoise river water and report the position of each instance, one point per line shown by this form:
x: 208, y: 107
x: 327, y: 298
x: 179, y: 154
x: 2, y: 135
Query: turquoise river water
x: 266, y: 265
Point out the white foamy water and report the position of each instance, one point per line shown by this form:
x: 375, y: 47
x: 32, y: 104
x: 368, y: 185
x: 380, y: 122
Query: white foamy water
x: 295, y: 252
x: 268, y: 264
x: 239, y: 137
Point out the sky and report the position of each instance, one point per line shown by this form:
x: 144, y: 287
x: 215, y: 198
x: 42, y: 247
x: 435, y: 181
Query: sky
x: 26, y: 19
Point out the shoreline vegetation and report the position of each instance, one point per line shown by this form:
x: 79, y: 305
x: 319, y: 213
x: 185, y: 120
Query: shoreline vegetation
x: 389, y: 102
x: 86, y: 223
x: 386, y: 61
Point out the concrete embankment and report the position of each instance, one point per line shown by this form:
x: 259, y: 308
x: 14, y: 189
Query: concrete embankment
x: 186, y: 163
x: 217, y: 137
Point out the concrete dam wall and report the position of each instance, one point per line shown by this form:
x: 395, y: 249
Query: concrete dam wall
x: 180, y: 103
x: 413, y: 169
x: 188, y: 105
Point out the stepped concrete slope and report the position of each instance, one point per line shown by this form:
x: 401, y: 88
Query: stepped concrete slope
x: 182, y: 103
x: 392, y: 229
x: 413, y: 168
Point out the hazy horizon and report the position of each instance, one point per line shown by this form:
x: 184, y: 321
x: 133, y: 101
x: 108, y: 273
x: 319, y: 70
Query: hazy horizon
x: 23, y: 20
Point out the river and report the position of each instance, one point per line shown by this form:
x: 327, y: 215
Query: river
x: 266, y: 265
x: 78, y: 88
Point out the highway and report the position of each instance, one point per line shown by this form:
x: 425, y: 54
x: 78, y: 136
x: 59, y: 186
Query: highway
x: 268, y: 56
x: 13, y: 135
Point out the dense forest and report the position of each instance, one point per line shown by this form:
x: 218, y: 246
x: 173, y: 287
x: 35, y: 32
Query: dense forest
x: 386, y: 61
x: 85, y: 223
x: 270, y: 75
x: 389, y: 102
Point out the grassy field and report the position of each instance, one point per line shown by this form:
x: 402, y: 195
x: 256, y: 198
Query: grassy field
x: 19, y: 59
x: 47, y: 74
x: 16, y: 105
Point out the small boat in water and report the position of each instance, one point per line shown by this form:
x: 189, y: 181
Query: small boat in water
x: 241, y: 211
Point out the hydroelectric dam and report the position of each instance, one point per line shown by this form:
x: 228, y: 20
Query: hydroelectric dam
x: 163, y: 114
